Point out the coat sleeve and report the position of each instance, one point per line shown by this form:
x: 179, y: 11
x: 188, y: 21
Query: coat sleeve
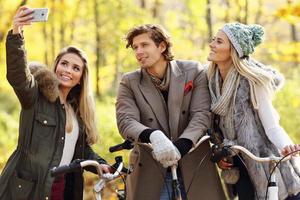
x: 18, y: 74
x: 200, y: 115
x: 270, y: 119
x: 127, y: 112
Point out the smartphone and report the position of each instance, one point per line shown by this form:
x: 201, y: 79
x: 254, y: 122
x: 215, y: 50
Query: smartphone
x: 40, y: 14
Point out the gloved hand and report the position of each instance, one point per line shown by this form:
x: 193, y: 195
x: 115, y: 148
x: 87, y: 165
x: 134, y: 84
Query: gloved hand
x: 163, y: 149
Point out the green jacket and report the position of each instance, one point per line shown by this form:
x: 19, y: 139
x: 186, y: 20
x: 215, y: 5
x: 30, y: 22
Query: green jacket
x: 41, y: 133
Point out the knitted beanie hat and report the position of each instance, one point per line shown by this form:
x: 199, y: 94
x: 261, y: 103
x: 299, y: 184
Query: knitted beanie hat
x: 244, y: 37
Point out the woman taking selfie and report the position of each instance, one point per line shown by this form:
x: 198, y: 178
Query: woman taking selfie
x: 57, y: 123
x: 241, y: 90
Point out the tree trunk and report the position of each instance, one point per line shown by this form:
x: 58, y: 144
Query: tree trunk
x: 52, y: 31
x: 226, y: 18
x: 294, y: 39
x: 156, y: 8
x: 9, y: 21
x: 73, y: 19
x: 143, y: 4
x: 62, y: 25
x: 259, y: 11
x: 238, y: 15
x: 118, y: 62
x: 98, y: 44
x: 208, y: 20
x: 246, y: 12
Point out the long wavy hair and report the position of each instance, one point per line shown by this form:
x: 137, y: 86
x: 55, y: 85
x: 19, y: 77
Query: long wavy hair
x: 81, y: 97
x: 256, y: 76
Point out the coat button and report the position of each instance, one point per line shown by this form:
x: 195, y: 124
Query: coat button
x: 150, y: 119
x: 183, y: 112
x: 46, y: 198
x: 19, y: 186
x: 45, y: 122
x: 62, y: 138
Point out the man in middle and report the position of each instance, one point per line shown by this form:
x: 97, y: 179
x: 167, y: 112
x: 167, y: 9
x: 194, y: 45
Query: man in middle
x: 166, y: 103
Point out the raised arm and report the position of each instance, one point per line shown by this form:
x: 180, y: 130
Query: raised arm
x: 18, y: 74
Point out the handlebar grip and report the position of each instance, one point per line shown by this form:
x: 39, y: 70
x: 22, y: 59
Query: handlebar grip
x: 119, y: 160
x: 125, y: 145
x: 59, y: 170
x: 75, y: 165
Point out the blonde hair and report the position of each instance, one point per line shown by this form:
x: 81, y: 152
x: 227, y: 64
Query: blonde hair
x: 81, y: 95
x: 256, y: 76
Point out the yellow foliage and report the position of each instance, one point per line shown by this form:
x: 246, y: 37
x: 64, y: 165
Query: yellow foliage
x: 289, y: 12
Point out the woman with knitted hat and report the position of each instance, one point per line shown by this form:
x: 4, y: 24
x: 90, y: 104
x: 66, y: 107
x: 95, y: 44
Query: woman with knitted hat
x: 241, y: 90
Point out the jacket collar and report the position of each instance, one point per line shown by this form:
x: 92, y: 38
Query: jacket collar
x: 155, y: 99
x: 166, y: 114
x: 47, y: 82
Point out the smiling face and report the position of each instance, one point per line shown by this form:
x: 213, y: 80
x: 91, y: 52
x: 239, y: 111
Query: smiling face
x: 147, y: 53
x: 220, y: 49
x: 69, y: 71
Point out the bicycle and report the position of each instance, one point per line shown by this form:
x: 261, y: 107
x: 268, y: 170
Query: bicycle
x: 176, y: 193
x: 103, y: 178
x: 220, y: 151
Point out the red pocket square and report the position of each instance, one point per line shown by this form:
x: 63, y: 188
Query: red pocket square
x: 188, y: 87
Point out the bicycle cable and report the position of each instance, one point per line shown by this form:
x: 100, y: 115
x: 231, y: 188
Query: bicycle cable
x: 195, y: 171
x: 242, y: 161
x: 123, y: 179
x: 273, y: 170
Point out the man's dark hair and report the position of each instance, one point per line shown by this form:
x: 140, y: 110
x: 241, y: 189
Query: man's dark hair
x: 157, y: 33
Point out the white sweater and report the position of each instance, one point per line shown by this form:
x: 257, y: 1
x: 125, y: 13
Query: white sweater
x: 270, y: 120
x: 70, y: 141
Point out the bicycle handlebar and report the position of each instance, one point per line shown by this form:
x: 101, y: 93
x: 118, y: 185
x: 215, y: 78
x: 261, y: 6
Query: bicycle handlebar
x: 125, y: 145
x: 259, y: 159
x: 73, y: 166
x: 220, y: 151
x: 78, y: 164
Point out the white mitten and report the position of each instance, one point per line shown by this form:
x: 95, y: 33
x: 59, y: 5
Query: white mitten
x: 163, y: 149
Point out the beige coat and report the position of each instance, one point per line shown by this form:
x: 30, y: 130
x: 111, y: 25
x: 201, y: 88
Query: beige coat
x: 140, y: 106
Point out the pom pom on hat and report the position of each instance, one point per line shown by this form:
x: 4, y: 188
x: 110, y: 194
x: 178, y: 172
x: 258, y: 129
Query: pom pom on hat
x: 258, y: 33
x: 244, y: 37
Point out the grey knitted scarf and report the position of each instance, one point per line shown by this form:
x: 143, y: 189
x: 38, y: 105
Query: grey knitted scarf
x: 223, y: 98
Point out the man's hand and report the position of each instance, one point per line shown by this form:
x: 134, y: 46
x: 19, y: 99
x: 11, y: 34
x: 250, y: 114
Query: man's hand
x: 163, y: 149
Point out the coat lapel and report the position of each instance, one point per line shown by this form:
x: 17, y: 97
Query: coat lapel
x: 155, y: 100
x: 176, y: 91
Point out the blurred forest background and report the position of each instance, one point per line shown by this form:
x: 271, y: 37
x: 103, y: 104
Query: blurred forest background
x: 99, y: 26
